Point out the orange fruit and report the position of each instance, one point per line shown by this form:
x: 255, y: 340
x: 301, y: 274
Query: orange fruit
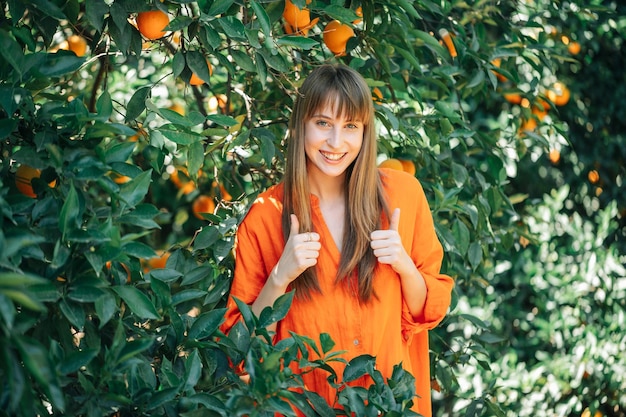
x: 513, y: 98
x: 358, y: 12
x: 77, y: 44
x: 496, y: 63
x: 593, y: 176
x: 408, y: 166
x: 295, y: 17
x: 151, y: 24
x: 377, y: 95
x: 119, y: 178
x: 202, y: 204
x: 336, y: 36
x: 392, y: 163
x: 529, y: 125
x: 183, y: 183
x: 195, y: 80
x: 559, y: 94
x: 573, y: 48
x: 539, y: 111
x: 554, y: 156
x: 447, y: 40
x: 156, y: 262
x: 178, y: 108
x: 23, y: 177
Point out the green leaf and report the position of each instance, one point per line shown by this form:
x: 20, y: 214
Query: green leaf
x: 134, y: 191
x: 104, y: 106
x: 222, y: 120
x: 16, y: 279
x: 138, y: 302
x: 357, y: 367
x: 193, y: 370
x: 60, y: 63
x: 233, y: 28
x: 137, y: 103
x: 219, y: 6
x: 264, y: 20
x: 326, y: 342
x: 105, y: 308
x: 11, y: 51
x: 77, y: 359
x: 164, y: 274
x: 198, y: 64
x: 206, y: 324
x: 73, y: 312
x: 23, y: 298
x: 206, y: 238
x: 179, y: 22
x: 461, y: 236
x: 181, y: 138
x: 299, y: 42
x: 138, y: 250
x: 69, y: 217
x: 133, y: 348
x: 95, y: 10
x: 195, y: 156
x: 475, y: 254
x: 243, y: 60
x: 187, y: 295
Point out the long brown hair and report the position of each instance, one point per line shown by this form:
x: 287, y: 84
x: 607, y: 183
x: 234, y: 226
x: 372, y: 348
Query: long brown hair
x: 364, y: 192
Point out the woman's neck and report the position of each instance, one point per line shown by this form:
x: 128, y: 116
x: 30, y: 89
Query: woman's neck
x: 328, y: 189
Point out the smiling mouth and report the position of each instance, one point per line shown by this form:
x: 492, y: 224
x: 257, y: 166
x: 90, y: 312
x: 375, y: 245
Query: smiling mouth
x: 332, y: 156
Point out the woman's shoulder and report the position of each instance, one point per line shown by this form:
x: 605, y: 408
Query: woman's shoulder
x: 267, y: 203
x: 394, y: 179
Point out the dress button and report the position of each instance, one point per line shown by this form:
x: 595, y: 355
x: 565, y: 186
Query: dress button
x: 356, y: 342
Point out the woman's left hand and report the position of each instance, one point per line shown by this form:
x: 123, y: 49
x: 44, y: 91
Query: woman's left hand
x: 388, y: 248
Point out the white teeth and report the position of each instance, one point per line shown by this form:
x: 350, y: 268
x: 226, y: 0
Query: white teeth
x: 332, y: 156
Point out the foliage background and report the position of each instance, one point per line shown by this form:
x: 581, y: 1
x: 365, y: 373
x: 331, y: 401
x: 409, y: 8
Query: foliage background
x: 92, y: 325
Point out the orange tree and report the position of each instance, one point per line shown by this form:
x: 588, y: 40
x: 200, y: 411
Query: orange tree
x: 92, y: 326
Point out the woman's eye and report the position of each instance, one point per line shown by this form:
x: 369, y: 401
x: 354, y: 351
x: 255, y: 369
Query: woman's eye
x: 322, y: 123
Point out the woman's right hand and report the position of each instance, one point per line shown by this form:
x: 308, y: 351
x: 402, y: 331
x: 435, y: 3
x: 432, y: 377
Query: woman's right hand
x: 301, y: 252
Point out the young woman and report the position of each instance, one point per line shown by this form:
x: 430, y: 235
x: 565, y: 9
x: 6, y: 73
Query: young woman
x: 358, y: 243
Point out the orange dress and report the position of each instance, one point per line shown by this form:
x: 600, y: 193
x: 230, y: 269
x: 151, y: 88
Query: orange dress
x: 383, y: 327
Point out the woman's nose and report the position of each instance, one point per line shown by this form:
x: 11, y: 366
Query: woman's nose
x: 334, y: 139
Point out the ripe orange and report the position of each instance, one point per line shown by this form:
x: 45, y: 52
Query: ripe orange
x: 119, y: 178
x: 447, y: 40
x: 183, y: 183
x: 539, y: 111
x: 559, y: 94
x: 554, y: 156
x: 295, y: 17
x: 358, y: 12
x: 336, y: 36
x: 178, y: 108
x: 77, y: 44
x: 408, y: 166
x: 573, y: 48
x: 528, y: 125
x: 377, y: 95
x: 156, y: 262
x: 195, y: 80
x: 496, y: 63
x: 513, y: 98
x: 593, y: 176
x: 392, y: 163
x: 202, y: 204
x: 23, y: 177
x: 151, y: 24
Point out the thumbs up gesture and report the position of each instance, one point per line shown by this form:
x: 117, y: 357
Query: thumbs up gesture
x: 301, y: 252
x: 387, y: 245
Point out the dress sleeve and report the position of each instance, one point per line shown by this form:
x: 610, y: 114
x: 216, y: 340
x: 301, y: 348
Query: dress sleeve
x: 427, y: 254
x: 257, y: 248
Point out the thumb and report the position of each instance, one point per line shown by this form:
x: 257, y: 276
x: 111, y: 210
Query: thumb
x: 395, y: 220
x: 295, y: 225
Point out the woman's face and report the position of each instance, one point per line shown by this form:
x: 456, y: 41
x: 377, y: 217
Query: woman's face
x: 331, y: 142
